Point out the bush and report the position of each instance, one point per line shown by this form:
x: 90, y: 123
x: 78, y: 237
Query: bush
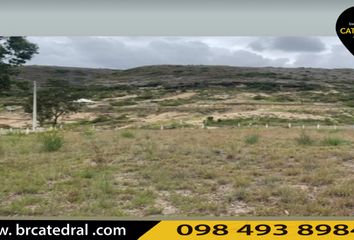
x: 100, y: 119
x: 333, y: 141
x: 52, y: 141
x: 259, y: 97
x: 304, y: 139
x: 252, y: 139
x: 127, y: 134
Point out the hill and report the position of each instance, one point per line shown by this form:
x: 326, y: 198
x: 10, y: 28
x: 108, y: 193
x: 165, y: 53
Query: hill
x: 197, y: 76
x: 169, y: 94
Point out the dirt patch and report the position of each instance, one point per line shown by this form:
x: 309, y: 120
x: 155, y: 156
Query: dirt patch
x: 166, y: 206
x: 267, y: 113
x: 80, y: 116
x: 236, y: 207
x: 179, y: 96
x: 15, y: 120
x: 119, y: 98
x: 164, y: 116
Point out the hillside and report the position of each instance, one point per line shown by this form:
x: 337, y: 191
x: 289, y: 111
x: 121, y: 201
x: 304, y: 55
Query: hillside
x: 195, y: 76
x: 176, y: 96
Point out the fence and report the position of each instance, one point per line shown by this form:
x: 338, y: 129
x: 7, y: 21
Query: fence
x: 202, y: 126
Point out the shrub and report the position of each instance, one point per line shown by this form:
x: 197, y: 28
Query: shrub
x: 52, y: 141
x: 252, y: 139
x: 259, y: 97
x: 329, y: 122
x: 127, y: 134
x: 304, y: 139
x: 333, y: 141
x: 100, y: 119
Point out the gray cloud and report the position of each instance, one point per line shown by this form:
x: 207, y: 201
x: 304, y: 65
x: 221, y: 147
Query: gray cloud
x: 289, y: 44
x: 128, y: 52
x: 338, y: 57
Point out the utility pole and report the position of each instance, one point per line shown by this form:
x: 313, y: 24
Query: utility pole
x: 34, y: 115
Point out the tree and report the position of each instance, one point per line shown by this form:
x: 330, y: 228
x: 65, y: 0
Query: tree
x: 54, y: 101
x: 14, y: 51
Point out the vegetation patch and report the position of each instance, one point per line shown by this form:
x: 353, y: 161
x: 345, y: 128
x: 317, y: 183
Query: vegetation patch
x: 304, y: 139
x: 333, y: 141
x: 252, y: 139
x: 52, y: 141
x: 127, y: 134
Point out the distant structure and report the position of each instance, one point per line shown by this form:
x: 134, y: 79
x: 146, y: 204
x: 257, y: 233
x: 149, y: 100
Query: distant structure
x: 84, y: 100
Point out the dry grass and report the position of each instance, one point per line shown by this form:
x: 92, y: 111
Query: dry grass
x: 185, y: 172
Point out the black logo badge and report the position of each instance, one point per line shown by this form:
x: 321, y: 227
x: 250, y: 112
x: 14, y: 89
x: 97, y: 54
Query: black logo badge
x: 345, y: 29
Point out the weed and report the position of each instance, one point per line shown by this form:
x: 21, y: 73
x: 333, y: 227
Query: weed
x: 342, y: 190
x: 239, y: 194
x: 333, y: 141
x: 252, y: 139
x: 242, y: 181
x: 87, y: 174
x: 52, y: 141
x: 143, y: 199
x: 127, y: 134
x: 99, y: 156
x: 105, y: 185
x: 153, y: 211
x: 321, y: 176
x: 289, y: 195
x: 304, y: 139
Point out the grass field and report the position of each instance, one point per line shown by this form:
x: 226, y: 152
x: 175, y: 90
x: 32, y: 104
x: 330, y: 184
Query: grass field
x: 215, y: 156
x: 179, y: 172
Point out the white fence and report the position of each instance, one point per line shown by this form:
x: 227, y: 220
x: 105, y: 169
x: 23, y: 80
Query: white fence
x: 203, y: 126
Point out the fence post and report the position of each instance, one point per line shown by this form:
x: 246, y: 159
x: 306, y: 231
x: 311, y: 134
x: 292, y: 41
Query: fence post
x: 289, y: 125
x: 161, y: 127
x: 266, y: 125
x: 303, y: 126
x: 318, y: 126
x: 181, y: 123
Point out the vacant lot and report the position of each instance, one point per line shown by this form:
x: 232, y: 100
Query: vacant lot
x: 179, y: 172
x: 215, y: 156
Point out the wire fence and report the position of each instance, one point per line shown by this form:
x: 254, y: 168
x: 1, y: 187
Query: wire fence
x: 26, y: 131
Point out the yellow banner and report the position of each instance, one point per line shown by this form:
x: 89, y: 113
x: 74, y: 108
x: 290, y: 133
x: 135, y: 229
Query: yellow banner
x: 252, y: 230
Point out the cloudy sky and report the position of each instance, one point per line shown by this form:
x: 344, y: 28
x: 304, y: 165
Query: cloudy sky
x: 129, y: 52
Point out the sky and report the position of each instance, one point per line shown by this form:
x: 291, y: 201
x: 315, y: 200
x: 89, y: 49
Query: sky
x: 130, y: 52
